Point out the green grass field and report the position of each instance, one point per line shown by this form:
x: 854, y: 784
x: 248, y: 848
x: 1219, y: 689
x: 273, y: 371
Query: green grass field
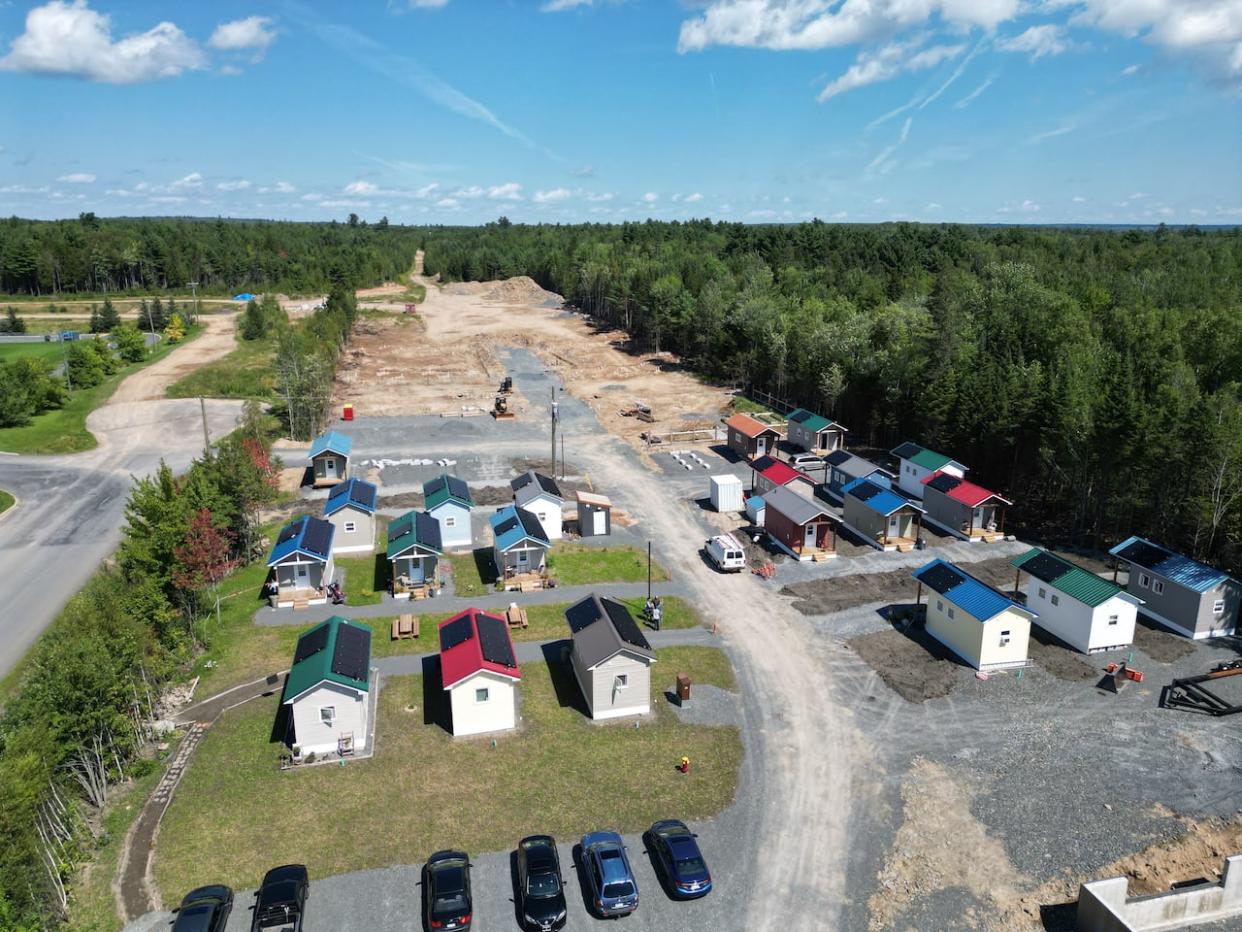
x: 52, y: 352
x: 64, y: 430
x: 235, y: 814
x: 578, y: 565
x: 244, y: 373
x: 6, y: 501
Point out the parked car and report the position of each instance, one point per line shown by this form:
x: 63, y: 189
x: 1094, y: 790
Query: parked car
x: 806, y: 461
x: 205, y: 909
x: 542, y: 886
x: 281, y: 899
x: 613, y: 889
x: 446, y: 886
x: 726, y: 553
x: 676, y: 855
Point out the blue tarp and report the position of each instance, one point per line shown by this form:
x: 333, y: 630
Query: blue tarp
x: 244, y: 296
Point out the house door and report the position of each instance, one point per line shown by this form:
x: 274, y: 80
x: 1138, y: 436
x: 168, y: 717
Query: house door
x: 761, y: 446
x: 980, y: 518
x: 416, y: 571
x: 809, y: 537
x: 522, y: 558
x: 599, y: 525
x: 894, y: 526
x: 302, y: 576
x: 329, y: 467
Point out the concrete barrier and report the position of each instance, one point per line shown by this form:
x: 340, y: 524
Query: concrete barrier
x: 1103, y: 905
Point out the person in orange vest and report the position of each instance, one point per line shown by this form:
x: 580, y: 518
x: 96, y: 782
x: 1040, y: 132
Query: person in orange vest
x: 685, y: 765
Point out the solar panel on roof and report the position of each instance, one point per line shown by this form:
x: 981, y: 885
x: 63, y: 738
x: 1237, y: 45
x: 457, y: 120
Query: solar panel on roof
x: 507, y: 525
x: 943, y: 482
x: 1046, y: 567
x: 456, y: 632
x: 865, y: 491
x: 311, y: 643
x: 435, y: 485
x: 1144, y: 554
x: 942, y: 578
x: 907, y: 450
x: 800, y: 416
x: 400, y: 527
x: 582, y: 615
x: 316, y: 537
x: 494, y: 641
x: 627, y: 628
x: 353, y: 651
x: 289, y: 531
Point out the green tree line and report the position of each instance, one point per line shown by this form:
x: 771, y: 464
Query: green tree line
x: 1090, y: 374
x: 78, y: 720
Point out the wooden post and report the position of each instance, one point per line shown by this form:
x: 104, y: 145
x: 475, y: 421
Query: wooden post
x: 1002, y: 521
x: 1017, y: 577
x: 918, y: 595
x: 648, y: 571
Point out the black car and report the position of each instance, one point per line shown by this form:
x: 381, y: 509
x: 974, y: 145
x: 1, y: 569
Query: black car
x: 205, y: 909
x: 446, y: 888
x: 542, y: 886
x: 281, y: 899
x: 676, y: 855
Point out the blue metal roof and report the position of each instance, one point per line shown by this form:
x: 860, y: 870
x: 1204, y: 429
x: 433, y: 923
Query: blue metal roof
x: 331, y: 441
x: 877, y: 498
x: 357, y: 492
x: 967, y: 593
x: 308, y: 535
x: 1173, y: 566
x: 511, y: 525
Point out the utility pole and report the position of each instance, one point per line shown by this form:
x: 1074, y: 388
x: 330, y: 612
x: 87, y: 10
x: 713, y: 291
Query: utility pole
x: 64, y: 354
x: 648, y: 571
x: 194, y: 290
x: 554, y: 420
x: 202, y: 406
x: 151, y: 326
x: 562, y: 456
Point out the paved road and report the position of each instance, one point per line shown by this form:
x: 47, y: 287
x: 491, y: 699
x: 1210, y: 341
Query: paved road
x: 71, y: 507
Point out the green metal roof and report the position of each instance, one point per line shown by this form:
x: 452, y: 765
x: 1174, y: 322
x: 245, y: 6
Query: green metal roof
x: 1072, y: 580
x: 929, y: 459
x: 319, y: 664
x: 812, y: 422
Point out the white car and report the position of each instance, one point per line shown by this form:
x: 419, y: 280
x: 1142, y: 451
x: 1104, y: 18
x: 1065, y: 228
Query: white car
x: 724, y: 551
x: 806, y: 461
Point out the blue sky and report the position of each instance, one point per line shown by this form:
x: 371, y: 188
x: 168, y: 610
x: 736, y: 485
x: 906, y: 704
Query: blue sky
x: 458, y: 111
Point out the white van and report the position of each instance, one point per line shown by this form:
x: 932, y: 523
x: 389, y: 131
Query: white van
x: 726, y: 553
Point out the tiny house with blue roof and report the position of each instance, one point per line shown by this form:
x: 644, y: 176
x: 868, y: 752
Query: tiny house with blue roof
x: 1183, y: 595
x: 521, y: 544
x: 983, y: 627
x: 301, y: 564
x: 351, y: 509
x: 880, y: 516
x: 329, y: 458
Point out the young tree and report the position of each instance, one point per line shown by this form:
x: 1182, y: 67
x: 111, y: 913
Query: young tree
x: 86, y: 369
x: 96, y: 324
x: 130, y: 343
x: 109, y: 318
x: 175, y: 331
x: 204, y: 558
x: 13, y: 323
x: 253, y: 324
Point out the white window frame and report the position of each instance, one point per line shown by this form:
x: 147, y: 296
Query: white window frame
x: 1144, y: 580
x: 1113, y: 619
x: 327, y: 714
x: 450, y: 521
x: 482, y: 694
x: 939, y: 605
x: 622, y: 681
x: 1157, y: 587
x: 350, y: 527
x: 523, y: 556
x: 1218, y: 607
x: 950, y: 612
x: 1004, y: 638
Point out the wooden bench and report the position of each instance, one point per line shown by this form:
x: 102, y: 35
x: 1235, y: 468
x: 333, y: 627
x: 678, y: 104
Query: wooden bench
x: 516, y: 616
x: 404, y: 626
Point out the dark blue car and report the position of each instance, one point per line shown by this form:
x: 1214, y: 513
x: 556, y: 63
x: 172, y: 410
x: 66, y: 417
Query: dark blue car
x: 675, y: 854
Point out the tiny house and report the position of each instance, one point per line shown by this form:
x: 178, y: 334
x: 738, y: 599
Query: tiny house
x: 916, y: 463
x: 329, y: 458
x: 328, y: 689
x: 881, y: 517
x: 448, y: 500
x: 983, y: 627
x: 414, y: 551
x: 300, y: 564
x: 845, y: 467
x: 594, y: 514
x: 519, y: 542
x: 814, y: 433
x: 540, y: 495
x: 479, y: 671
x: 767, y: 472
x: 610, y: 657
x: 1088, y: 613
x: 351, y: 509
x: 802, y: 527
x: 967, y: 511
x: 1184, y: 595
x: 749, y: 438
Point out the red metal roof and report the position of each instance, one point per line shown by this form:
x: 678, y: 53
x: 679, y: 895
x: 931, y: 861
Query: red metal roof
x: 466, y: 658
x: 783, y: 474
x: 968, y: 493
x: 749, y: 426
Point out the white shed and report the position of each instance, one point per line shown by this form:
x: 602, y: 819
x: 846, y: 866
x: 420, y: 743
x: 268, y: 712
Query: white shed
x: 611, y: 658
x: 726, y: 492
x: 479, y: 671
x: 1088, y: 613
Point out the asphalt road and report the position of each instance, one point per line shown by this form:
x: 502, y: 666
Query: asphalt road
x: 70, y: 508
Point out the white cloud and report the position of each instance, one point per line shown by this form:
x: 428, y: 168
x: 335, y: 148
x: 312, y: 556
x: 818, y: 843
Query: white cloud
x: 560, y: 6
x: 1078, y: 199
x: 427, y: 191
x: 77, y: 178
x: 650, y: 197
x: 1026, y: 207
x: 583, y: 171
x: 1139, y: 195
x: 511, y: 191
x: 361, y: 187
x: 192, y: 180
x: 251, y: 34
x: 552, y: 196
x: 598, y: 198
x: 72, y: 40
x: 887, y: 62
x: 448, y: 203
x: 880, y: 201
x: 426, y: 4
x: 974, y: 95
x: 240, y: 184
x: 23, y: 189
x: 932, y: 206
x: 1053, y: 133
x: 1038, y: 41
x: 840, y: 215
x: 166, y: 199
x: 1130, y: 70
x: 694, y: 198
x: 763, y: 214
x: 345, y: 203
x: 818, y: 24
x: 280, y: 187
x: 312, y: 197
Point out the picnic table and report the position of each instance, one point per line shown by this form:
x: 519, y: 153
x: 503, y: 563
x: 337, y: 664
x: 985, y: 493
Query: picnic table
x: 516, y: 616
x: 404, y: 626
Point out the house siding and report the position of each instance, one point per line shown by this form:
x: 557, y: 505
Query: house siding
x: 324, y: 475
x: 362, y: 540
x: 976, y: 642
x: 1079, y: 625
x: 312, y: 735
x: 862, y: 519
x: 459, y: 535
x: 941, y: 509
x: 470, y: 717
x: 509, y: 560
x: 910, y: 476
x: 550, y: 512
x: 815, y: 441
x: 1184, y: 610
x: 792, y: 535
x: 319, y: 574
x: 597, y: 686
x: 750, y: 448
x: 586, y: 519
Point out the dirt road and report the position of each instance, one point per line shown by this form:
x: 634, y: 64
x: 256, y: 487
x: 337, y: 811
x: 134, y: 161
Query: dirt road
x: 149, y: 384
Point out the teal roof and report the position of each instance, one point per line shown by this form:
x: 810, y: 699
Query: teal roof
x: 446, y: 489
x: 331, y: 442
x: 1064, y: 576
x: 812, y: 422
x: 336, y: 651
x: 930, y: 459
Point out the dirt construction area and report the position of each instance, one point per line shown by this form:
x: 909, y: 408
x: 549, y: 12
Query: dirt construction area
x: 149, y: 384
x: 446, y: 362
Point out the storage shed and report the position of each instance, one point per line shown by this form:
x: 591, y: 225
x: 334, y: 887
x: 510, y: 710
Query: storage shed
x: 814, y: 433
x: 351, y: 509
x: 748, y: 437
x: 594, y: 514
x: 844, y: 467
x: 611, y: 658
x: 916, y: 463
x: 726, y: 492
x: 329, y: 458
x: 541, y: 496
x: 802, y: 527
x: 327, y: 689
x: 1184, y: 595
x: 984, y: 628
x: 448, y: 500
x: 479, y: 671
x: 767, y: 472
x: 967, y: 511
x: 1088, y: 613
x: 755, y: 510
x: 881, y: 517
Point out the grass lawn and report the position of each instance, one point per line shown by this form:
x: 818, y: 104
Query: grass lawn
x: 548, y: 621
x: 473, y: 573
x: 366, y: 578
x: 64, y: 430
x: 576, y: 565
x: 52, y: 352
x: 236, y: 814
x: 247, y: 372
x: 6, y: 501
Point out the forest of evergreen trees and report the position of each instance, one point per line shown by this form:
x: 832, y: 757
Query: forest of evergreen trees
x: 1093, y: 375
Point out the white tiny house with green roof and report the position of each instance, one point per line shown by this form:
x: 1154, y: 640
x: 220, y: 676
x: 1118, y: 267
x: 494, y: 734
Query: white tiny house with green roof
x: 916, y: 463
x: 327, y: 690
x: 1088, y: 613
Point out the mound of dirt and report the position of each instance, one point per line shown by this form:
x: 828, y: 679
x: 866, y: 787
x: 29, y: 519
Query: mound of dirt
x: 519, y: 290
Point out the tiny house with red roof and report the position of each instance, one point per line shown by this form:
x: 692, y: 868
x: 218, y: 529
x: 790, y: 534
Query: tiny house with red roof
x: 749, y: 437
x: 479, y: 671
x: 965, y: 510
x: 768, y: 473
